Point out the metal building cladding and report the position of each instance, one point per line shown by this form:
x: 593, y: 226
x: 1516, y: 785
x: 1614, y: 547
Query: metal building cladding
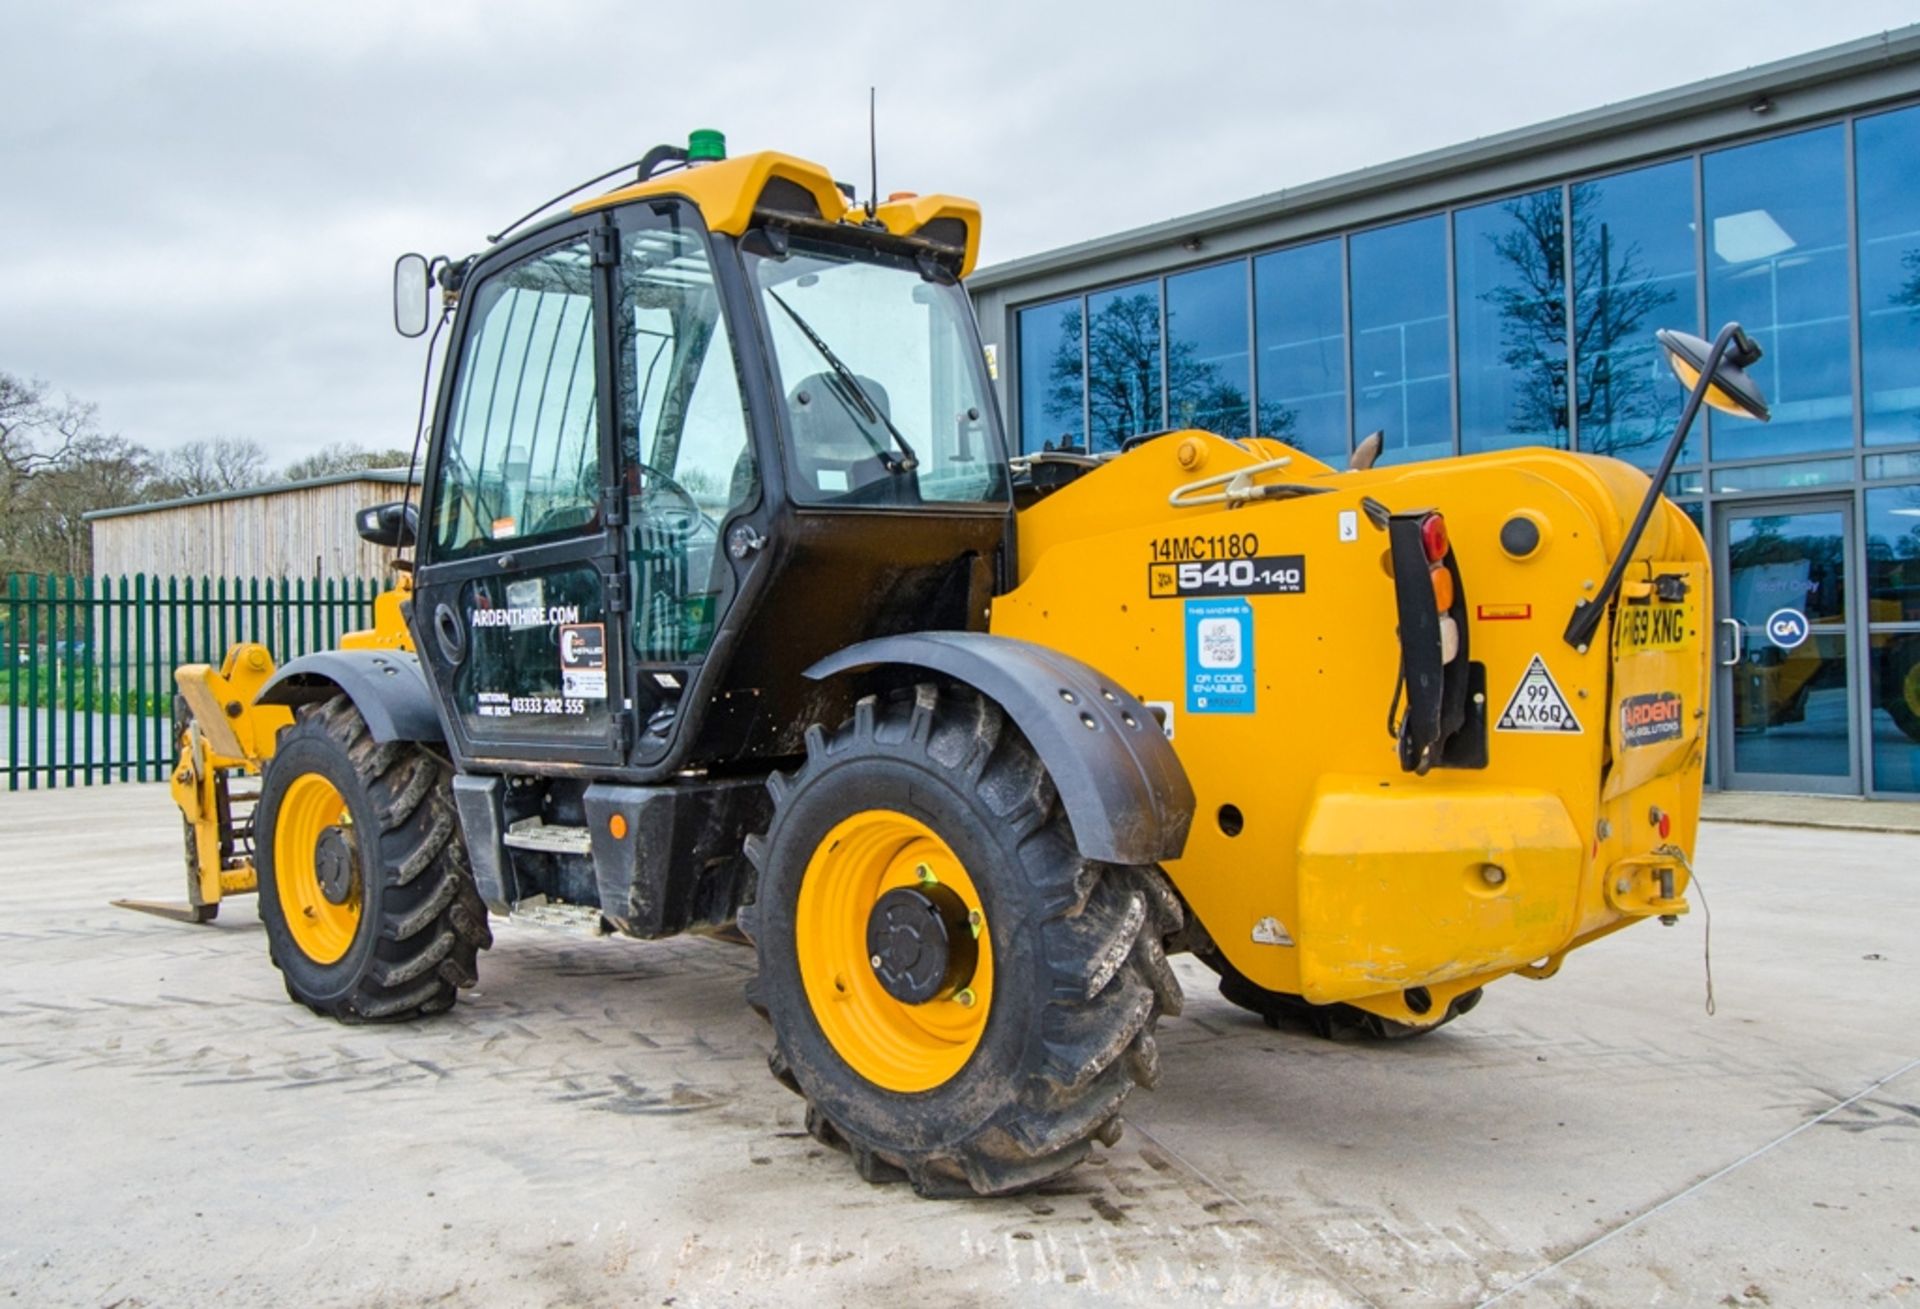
x: 1506, y: 293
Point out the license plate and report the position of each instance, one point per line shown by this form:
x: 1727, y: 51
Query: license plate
x: 1653, y: 627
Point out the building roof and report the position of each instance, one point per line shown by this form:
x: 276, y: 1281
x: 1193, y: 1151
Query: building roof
x: 391, y: 476
x: 1745, y: 90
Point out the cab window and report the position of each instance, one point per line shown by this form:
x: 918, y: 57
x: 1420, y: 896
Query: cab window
x: 689, y: 465
x: 521, y: 457
x: 882, y: 378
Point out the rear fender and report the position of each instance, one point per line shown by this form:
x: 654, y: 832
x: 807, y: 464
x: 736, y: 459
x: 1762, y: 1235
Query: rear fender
x: 386, y: 686
x: 1120, y: 782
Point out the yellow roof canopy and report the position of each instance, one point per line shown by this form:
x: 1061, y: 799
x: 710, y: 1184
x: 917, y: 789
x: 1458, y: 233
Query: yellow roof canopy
x: 730, y: 192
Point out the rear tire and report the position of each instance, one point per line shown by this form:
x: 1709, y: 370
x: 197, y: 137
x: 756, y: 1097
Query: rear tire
x: 1072, y: 974
x: 1329, y: 1022
x: 398, y: 928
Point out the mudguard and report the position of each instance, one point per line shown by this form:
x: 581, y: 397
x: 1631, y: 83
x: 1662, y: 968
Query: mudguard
x: 386, y: 686
x: 1125, y: 793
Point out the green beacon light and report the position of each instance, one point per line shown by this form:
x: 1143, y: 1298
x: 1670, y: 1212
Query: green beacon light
x: 706, y: 146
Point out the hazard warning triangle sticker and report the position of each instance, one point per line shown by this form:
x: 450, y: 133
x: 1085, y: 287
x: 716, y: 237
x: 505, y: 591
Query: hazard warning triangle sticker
x: 1537, y: 705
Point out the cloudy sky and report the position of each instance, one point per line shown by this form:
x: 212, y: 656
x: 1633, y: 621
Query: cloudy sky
x: 200, y: 201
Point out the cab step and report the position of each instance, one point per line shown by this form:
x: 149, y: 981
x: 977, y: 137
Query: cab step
x: 549, y: 838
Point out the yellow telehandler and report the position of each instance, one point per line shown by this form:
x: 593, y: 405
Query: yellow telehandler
x: 725, y: 608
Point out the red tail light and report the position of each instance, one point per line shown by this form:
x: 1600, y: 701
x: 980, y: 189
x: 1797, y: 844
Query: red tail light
x: 1433, y: 537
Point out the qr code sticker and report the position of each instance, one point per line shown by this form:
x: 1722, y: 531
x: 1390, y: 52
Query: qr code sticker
x: 1219, y: 643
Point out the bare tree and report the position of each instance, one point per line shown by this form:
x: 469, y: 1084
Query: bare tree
x: 343, y: 457
x: 223, y: 463
x: 1622, y: 407
x: 52, y: 535
x: 1123, y: 378
x: 55, y: 466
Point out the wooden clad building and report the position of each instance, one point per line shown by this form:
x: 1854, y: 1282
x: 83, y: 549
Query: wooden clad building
x: 295, y: 529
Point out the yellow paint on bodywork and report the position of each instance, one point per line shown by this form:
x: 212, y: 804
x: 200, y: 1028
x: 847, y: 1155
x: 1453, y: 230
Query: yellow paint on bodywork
x: 389, y: 630
x: 230, y: 735
x: 906, y: 217
x: 1369, y: 869
x: 729, y: 193
x: 1401, y: 886
x: 227, y: 734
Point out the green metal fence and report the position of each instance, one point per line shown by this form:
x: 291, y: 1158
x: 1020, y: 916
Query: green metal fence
x: 88, y: 681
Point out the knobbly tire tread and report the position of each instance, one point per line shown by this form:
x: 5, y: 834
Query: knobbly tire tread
x: 1099, y: 930
x: 421, y: 935
x: 1330, y: 1022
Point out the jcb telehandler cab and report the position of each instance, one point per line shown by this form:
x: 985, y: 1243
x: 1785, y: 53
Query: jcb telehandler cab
x: 721, y: 615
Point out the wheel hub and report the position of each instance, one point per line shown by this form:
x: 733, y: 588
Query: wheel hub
x: 335, y: 865
x: 920, y: 943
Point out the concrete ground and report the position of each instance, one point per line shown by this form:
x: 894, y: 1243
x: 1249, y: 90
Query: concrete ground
x: 595, y: 1124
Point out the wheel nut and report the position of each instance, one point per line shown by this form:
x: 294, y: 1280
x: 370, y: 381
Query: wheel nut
x: 925, y: 873
x: 976, y: 921
x: 964, y: 997
x: 1493, y: 874
x: 875, y: 961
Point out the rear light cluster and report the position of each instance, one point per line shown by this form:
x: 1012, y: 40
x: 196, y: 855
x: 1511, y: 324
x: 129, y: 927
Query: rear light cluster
x: 1433, y: 539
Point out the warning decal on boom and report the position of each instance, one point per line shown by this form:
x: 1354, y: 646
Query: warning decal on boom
x: 1537, y: 705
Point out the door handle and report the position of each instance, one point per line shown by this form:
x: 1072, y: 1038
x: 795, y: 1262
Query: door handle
x: 1734, y: 623
x: 449, y: 634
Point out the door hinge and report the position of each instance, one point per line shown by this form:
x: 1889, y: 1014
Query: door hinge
x: 605, y: 243
x: 616, y: 593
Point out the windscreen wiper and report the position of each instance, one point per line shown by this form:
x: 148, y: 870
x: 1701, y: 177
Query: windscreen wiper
x: 855, y: 393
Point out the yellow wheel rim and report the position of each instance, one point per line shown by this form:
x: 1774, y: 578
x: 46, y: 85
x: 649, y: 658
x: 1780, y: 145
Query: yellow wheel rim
x: 322, y: 929
x: 893, y: 1044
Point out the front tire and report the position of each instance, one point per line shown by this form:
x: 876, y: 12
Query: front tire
x: 1004, y: 1067
x: 368, y: 900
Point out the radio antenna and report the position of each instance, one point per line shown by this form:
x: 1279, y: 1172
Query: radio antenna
x: 873, y: 156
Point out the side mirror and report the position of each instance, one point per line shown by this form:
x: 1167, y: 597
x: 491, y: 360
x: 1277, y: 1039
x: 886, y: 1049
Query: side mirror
x: 1731, y: 391
x: 394, y: 525
x: 411, y: 282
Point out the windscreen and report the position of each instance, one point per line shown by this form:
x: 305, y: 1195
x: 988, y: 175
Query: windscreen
x: 883, y: 383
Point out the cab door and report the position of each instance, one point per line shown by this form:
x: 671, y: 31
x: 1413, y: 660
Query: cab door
x: 690, y: 488
x: 520, y: 591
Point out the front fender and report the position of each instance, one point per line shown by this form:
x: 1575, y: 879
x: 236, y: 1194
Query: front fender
x: 386, y: 686
x: 1122, y: 786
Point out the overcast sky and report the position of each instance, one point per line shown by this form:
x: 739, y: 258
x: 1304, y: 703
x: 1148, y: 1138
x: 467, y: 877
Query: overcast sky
x: 200, y: 202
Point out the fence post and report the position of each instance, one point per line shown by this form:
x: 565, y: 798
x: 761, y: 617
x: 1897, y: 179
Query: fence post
x: 68, y: 664
x: 33, y: 681
x: 13, y: 682
x: 122, y: 686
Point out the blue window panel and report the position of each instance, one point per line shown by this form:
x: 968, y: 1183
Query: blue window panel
x: 1776, y: 229
x: 1635, y: 271
x: 1885, y: 150
x: 1052, y: 388
x: 1301, y: 338
x: 1123, y: 364
x: 1893, y: 555
x: 1893, y: 612
x: 1510, y: 294
x: 1402, y: 370
x: 1207, y: 350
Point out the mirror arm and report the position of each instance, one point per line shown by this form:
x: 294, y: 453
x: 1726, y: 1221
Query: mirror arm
x: 1585, y: 619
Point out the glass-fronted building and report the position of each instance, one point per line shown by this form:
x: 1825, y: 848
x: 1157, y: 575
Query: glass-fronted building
x: 1506, y: 293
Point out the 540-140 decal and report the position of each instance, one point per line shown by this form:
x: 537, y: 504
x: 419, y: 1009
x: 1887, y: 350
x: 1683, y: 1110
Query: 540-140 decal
x: 1260, y: 575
